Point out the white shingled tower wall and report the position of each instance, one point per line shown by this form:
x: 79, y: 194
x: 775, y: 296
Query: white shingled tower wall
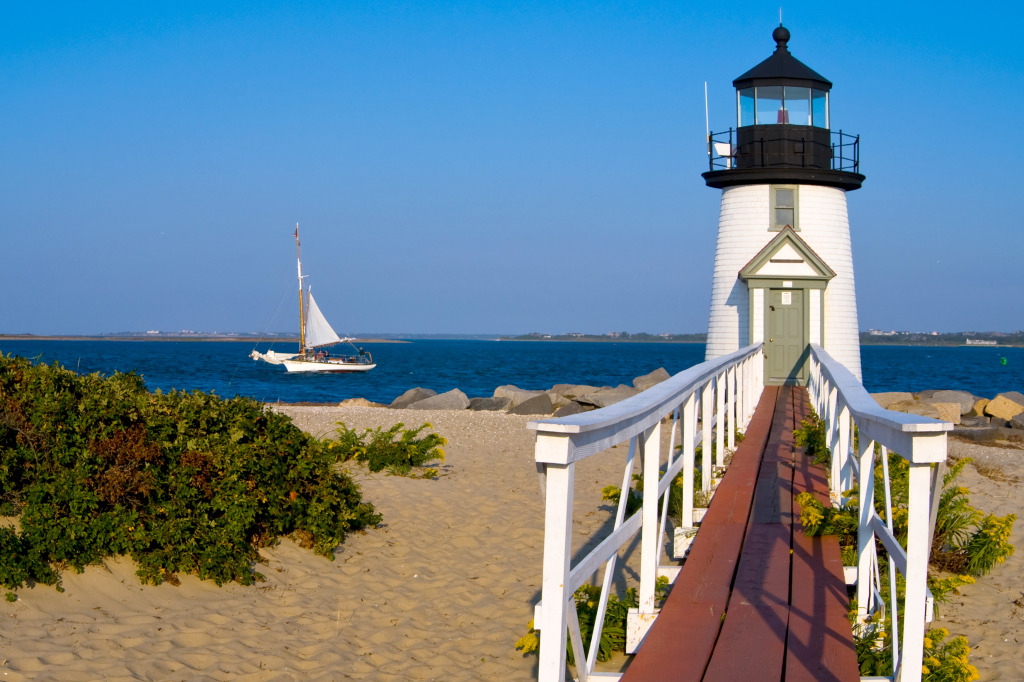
x: 743, y: 232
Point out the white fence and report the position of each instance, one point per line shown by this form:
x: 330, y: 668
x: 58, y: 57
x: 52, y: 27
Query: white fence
x: 845, y: 406
x: 726, y: 390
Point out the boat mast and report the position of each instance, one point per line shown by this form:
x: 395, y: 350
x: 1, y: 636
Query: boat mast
x: 302, y: 314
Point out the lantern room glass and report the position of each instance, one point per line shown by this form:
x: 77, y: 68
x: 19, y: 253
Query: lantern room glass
x: 798, y: 105
x: 768, y: 109
x: 746, y: 107
x: 819, y: 108
x: 774, y: 104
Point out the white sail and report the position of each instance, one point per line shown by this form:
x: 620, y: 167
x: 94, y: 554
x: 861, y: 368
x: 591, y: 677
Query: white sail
x: 318, y: 329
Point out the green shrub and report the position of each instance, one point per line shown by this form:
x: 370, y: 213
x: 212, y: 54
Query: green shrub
x: 947, y: 661
x: 812, y: 437
x: 383, y: 452
x: 989, y: 544
x: 180, y: 482
x: 612, y: 493
x: 613, y: 632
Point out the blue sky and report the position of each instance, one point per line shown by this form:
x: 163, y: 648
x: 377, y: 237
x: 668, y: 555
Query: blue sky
x: 477, y: 167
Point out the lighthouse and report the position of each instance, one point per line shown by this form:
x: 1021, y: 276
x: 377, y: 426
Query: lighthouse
x: 783, y: 264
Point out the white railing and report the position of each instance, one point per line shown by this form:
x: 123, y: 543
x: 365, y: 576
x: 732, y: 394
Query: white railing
x: 843, y: 403
x: 727, y: 390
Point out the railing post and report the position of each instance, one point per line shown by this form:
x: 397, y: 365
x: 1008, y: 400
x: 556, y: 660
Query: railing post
x: 639, y: 621
x: 832, y: 424
x: 706, y: 398
x: 720, y: 426
x: 687, y: 429
x: 744, y: 392
x: 847, y: 474
x: 555, y: 597
x: 759, y: 372
x: 918, y: 549
x: 731, y: 434
x: 865, y: 536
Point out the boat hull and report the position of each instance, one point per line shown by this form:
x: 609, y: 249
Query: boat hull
x: 326, y: 366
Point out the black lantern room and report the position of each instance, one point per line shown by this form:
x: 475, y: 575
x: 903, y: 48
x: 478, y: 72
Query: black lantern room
x: 783, y: 131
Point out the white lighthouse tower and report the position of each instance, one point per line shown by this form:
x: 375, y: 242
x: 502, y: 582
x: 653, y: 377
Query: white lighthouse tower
x: 783, y: 264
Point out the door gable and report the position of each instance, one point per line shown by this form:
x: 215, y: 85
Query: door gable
x: 787, y: 256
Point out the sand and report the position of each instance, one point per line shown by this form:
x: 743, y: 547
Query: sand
x: 440, y: 592
x: 990, y: 613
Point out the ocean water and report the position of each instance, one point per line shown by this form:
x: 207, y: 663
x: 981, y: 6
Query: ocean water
x: 478, y: 367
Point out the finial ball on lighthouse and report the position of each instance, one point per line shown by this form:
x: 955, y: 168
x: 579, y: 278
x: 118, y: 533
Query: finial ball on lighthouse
x: 781, y: 36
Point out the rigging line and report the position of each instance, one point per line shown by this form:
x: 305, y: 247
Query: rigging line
x: 287, y: 292
x: 284, y: 294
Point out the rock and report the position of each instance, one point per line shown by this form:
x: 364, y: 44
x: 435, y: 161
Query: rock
x: 980, y: 434
x: 563, y: 394
x: 488, y: 404
x: 963, y: 398
x: 972, y: 421
x: 452, y: 400
x: 1014, y: 396
x: 572, y: 391
x: 539, y: 404
x: 515, y: 394
x: 646, y: 381
x: 359, y: 402
x: 917, y: 407
x: 979, y: 407
x: 948, y: 412
x: 411, y: 396
x: 886, y: 399
x: 603, y: 397
x: 1003, y: 407
x: 557, y: 400
x: 1017, y: 422
x: 572, y: 407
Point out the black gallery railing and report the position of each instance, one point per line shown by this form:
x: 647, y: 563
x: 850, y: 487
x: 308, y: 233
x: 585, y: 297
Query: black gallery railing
x: 784, y: 146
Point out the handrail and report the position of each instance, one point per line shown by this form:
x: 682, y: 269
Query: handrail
x: 727, y: 389
x: 854, y: 424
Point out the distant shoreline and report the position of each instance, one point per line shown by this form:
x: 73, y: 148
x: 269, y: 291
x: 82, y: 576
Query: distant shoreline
x: 910, y: 344
x: 155, y: 337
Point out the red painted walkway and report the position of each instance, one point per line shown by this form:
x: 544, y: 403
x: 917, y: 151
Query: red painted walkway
x: 756, y: 598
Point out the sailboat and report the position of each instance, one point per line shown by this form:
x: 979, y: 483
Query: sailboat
x: 315, y: 336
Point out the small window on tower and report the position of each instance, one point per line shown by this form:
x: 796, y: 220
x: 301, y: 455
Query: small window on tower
x: 783, y: 208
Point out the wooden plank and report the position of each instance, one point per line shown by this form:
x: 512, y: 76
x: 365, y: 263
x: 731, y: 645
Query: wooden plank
x: 752, y: 644
x: 757, y: 618
x: 681, y: 641
x: 819, y: 644
x: 773, y: 497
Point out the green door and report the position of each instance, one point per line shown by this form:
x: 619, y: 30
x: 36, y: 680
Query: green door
x: 786, y: 342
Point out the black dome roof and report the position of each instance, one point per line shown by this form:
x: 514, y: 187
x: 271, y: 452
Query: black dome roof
x: 782, y: 66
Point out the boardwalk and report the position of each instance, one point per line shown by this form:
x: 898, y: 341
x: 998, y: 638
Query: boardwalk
x: 756, y: 598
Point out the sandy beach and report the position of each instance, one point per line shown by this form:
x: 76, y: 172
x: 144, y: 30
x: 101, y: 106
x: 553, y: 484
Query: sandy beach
x: 990, y: 613
x: 440, y: 592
